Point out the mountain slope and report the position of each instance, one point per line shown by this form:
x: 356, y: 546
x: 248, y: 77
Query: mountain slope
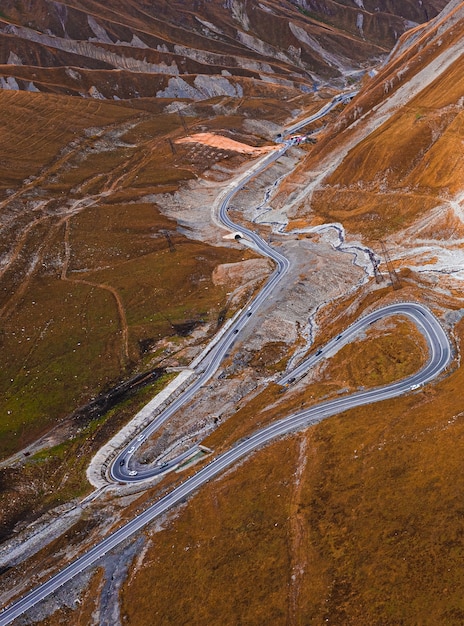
x: 71, y: 157
x: 165, y: 49
x: 357, y: 520
x: 395, y: 152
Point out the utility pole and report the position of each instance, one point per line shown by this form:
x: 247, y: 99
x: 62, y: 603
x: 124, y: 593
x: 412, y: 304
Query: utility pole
x: 375, y: 265
x: 173, y: 148
x: 169, y: 240
x: 395, y: 279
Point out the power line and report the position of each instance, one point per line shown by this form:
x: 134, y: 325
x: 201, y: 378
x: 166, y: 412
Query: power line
x: 395, y: 279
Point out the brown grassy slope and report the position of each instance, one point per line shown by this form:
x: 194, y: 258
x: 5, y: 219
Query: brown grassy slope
x: 37, y: 127
x: 412, y: 142
x: 414, y: 51
x: 158, y: 288
x: 83, y: 285
x: 399, y: 162
x: 225, y: 559
x: 368, y: 531
x: 402, y: 169
x: 384, y: 508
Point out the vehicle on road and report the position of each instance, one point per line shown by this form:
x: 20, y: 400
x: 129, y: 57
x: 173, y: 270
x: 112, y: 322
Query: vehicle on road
x: 121, y: 462
x: 441, y: 355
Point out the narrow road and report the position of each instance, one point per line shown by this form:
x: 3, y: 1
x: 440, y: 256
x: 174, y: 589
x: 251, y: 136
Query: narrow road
x: 440, y: 356
x: 124, y: 467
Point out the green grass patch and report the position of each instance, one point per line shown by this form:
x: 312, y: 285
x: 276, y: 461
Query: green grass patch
x: 59, y: 348
x: 58, y: 474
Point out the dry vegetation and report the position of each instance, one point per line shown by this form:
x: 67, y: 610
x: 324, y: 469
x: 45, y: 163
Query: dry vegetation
x: 356, y: 521
x: 102, y: 287
x: 89, y: 284
x: 227, y: 556
x: 410, y: 163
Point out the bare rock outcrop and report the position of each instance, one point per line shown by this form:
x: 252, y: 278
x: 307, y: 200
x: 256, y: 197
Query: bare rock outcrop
x: 235, y: 274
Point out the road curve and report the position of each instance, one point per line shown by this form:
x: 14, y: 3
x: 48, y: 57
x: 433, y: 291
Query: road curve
x: 440, y: 355
x: 439, y: 358
x: 124, y: 467
x: 424, y: 319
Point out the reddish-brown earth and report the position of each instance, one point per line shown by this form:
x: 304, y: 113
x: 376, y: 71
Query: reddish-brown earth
x: 357, y: 520
x: 169, y: 49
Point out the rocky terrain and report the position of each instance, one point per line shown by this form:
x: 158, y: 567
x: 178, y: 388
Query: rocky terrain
x: 124, y: 125
x: 170, y: 50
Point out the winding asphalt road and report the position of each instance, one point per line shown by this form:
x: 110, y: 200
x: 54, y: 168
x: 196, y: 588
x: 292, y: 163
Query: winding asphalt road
x: 124, y: 467
x: 426, y: 322
x: 440, y: 355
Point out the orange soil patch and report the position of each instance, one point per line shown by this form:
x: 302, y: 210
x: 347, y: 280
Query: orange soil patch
x: 224, y: 143
x: 294, y: 224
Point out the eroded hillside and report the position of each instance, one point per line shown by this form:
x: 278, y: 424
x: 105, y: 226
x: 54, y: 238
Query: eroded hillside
x: 82, y: 177
x: 391, y: 167
x: 111, y: 253
x: 358, y: 520
x: 196, y: 50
